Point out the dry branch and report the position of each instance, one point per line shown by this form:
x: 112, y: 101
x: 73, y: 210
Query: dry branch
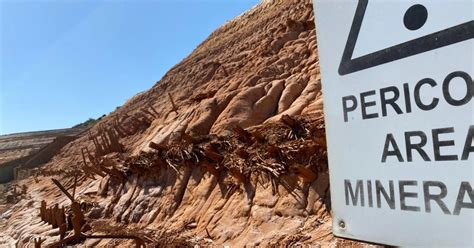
x: 58, y: 184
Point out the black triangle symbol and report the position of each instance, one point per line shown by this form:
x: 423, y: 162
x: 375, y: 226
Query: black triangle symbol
x: 455, y: 34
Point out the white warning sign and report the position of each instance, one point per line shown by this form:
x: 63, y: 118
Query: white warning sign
x: 398, y: 90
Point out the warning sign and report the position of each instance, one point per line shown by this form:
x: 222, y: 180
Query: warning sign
x: 398, y: 88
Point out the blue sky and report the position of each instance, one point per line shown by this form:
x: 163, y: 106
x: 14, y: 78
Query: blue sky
x: 62, y: 62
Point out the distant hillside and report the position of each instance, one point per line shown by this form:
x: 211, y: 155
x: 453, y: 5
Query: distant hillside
x: 89, y: 122
x: 18, y: 148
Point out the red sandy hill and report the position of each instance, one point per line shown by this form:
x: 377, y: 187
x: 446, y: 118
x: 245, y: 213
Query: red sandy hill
x: 227, y: 149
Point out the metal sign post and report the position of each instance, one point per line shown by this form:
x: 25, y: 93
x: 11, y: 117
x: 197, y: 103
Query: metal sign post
x: 398, y: 89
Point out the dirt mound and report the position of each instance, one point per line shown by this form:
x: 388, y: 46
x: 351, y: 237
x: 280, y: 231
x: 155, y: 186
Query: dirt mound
x: 227, y: 148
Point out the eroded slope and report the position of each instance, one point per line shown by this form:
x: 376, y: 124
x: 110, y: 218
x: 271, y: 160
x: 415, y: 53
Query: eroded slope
x: 227, y: 148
